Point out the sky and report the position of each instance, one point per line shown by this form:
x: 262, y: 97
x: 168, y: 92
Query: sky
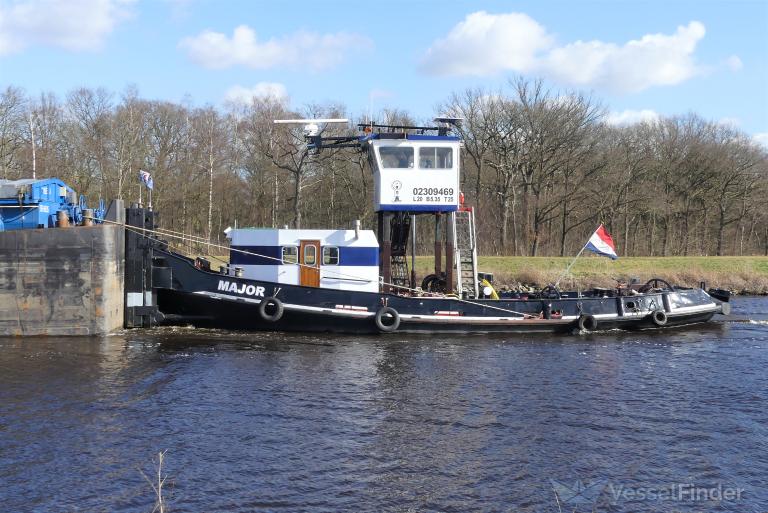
x: 641, y: 59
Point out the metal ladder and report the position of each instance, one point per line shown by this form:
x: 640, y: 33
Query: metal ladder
x: 466, y: 253
x: 400, y: 230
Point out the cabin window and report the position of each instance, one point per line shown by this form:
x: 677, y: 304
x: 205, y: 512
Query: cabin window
x: 310, y: 255
x: 431, y: 157
x: 330, y: 255
x: 290, y: 255
x: 396, y: 157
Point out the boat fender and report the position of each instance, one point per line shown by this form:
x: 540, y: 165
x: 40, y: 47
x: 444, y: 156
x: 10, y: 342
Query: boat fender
x: 389, y: 312
x: 276, y: 304
x: 659, y: 317
x: 587, y: 323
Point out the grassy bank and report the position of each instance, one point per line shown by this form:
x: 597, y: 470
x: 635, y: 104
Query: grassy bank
x: 745, y: 275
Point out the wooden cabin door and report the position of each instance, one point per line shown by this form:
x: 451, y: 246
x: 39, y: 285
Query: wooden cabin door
x: 309, y: 258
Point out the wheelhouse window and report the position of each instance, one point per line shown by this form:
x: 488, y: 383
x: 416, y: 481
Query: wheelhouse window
x: 431, y: 157
x: 310, y: 255
x: 396, y: 157
x: 330, y: 255
x: 290, y: 255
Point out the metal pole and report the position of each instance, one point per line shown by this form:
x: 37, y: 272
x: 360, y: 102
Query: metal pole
x: 34, y: 160
x: 567, y: 269
x: 450, y: 246
x: 413, y: 251
x: 438, y: 245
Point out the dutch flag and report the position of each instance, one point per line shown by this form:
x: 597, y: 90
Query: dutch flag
x: 602, y: 243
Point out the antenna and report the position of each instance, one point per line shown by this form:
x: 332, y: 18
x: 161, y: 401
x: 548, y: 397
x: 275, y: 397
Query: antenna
x: 448, y: 120
x: 311, y: 127
x: 447, y: 123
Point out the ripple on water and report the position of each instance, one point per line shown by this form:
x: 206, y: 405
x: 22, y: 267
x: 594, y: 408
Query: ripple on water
x: 259, y: 421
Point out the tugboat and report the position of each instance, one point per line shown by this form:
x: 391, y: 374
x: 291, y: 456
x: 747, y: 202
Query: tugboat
x: 359, y: 281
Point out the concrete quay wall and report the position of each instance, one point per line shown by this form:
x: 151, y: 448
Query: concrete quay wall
x: 62, y: 281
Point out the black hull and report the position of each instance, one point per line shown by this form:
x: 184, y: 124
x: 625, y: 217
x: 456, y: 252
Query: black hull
x: 207, y: 299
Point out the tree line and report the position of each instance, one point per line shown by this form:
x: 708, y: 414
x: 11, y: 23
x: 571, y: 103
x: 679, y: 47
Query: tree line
x: 543, y: 168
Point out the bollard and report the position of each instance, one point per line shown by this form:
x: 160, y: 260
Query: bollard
x: 88, y: 217
x: 62, y: 219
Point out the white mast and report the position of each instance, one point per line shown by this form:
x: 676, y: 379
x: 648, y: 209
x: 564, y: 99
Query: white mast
x: 34, y: 160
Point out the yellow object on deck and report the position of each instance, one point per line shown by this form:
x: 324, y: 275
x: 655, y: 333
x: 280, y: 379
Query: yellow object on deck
x: 486, y: 283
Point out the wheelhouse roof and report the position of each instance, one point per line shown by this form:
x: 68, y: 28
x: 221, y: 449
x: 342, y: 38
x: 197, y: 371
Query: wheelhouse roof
x: 410, y: 137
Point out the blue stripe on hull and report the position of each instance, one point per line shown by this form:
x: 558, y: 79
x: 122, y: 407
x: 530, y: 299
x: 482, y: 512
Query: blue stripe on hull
x: 347, y: 256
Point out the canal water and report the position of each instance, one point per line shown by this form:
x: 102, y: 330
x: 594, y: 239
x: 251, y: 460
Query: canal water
x: 635, y: 422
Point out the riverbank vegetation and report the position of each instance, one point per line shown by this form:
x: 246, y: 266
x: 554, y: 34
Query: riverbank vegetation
x: 542, y: 167
x: 743, y: 275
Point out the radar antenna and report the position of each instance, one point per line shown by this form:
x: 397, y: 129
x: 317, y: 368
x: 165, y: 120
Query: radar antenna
x: 313, y: 131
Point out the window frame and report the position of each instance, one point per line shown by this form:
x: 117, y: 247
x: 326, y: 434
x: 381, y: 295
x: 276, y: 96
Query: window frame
x: 338, y: 255
x: 387, y: 149
x: 296, y: 254
x: 434, y: 156
x: 314, y: 256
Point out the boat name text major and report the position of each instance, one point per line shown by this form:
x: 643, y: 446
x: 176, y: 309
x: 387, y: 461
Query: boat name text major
x: 241, y: 288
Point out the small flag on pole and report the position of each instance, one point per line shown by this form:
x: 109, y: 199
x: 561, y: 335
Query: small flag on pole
x: 602, y: 243
x: 146, y: 179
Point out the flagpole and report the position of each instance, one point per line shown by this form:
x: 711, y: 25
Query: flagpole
x: 140, y: 186
x: 567, y: 269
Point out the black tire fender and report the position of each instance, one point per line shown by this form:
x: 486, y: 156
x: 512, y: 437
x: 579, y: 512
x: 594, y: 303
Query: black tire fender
x: 587, y: 323
x: 274, y: 303
x: 387, y: 311
x: 659, y: 317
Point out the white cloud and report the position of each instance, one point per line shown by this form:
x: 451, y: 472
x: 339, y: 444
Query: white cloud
x: 71, y: 24
x: 734, y: 63
x: 761, y: 138
x: 306, y: 49
x: 653, y: 60
x: 262, y: 90
x: 484, y: 44
x: 630, y: 117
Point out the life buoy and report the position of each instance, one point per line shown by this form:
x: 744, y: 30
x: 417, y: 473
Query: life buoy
x: 659, y: 317
x: 487, y: 284
x: 276, y: 304
x: 389, y: 313
x: 587, y: 323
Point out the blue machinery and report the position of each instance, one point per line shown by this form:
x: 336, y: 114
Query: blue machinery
x: 46, y: 203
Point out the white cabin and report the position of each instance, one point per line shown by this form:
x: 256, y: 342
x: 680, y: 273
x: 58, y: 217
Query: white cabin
x: 329, y: 259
